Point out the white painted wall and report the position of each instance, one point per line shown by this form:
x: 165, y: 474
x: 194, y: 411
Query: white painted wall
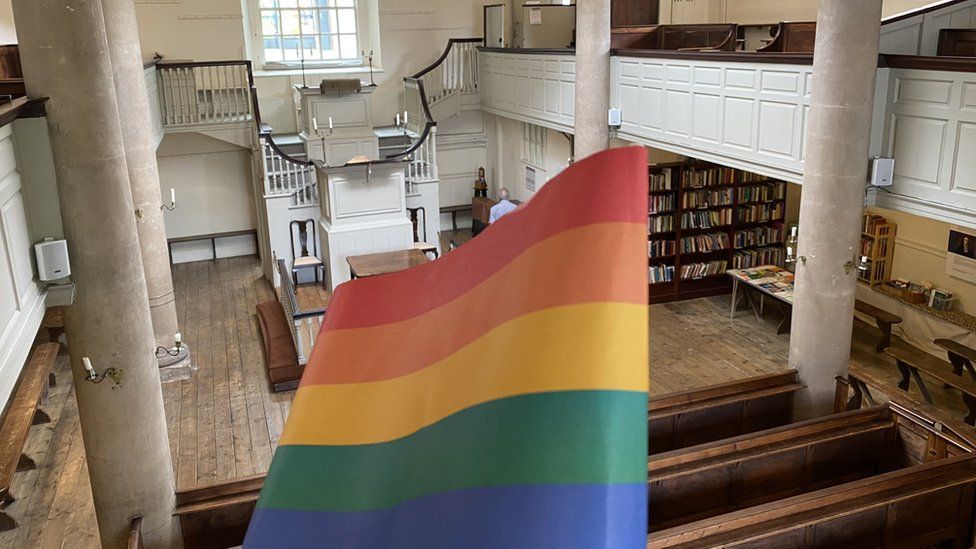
x: 213, y: 182
x: 21, y: 299
x: 8, y: 34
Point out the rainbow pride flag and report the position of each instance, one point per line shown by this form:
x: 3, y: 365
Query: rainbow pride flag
x: 496, y: 397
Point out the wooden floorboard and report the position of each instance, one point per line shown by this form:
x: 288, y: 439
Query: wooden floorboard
x: 224, y: 421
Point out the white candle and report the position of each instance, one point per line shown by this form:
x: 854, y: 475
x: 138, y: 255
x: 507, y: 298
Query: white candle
x: 406, y: 118
x: 330, y: 122
x: 315, y: 123
x: 179, y: 339
x: 172, y: 195
x: 398, y: 120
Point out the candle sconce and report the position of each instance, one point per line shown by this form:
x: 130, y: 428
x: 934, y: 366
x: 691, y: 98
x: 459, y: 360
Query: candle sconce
x: 172, y: 201
x: 112, y: 373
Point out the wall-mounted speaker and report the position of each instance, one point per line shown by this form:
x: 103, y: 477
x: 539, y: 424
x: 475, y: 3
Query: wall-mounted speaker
x: 882, y: 172
x: 52, y: 260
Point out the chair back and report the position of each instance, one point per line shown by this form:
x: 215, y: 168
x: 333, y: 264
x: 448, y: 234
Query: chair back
x: 303, y: 232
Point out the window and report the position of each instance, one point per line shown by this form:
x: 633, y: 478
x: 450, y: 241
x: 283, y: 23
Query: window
x: 534, y: 145
x: 314, y: 31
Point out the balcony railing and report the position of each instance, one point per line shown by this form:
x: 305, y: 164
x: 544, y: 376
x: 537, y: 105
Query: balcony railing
x: 208, y: 92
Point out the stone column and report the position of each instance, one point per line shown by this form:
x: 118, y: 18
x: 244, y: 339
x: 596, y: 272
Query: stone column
x: 591, y: 131
x: 63, y: 50
x: 140, y: 157
x: 834, y: 179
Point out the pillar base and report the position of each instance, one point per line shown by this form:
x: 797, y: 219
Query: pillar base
x: 174, y: 367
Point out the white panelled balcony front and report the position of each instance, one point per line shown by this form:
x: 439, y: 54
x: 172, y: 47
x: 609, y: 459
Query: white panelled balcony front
x: 530, y: 87
x: 746, y: 115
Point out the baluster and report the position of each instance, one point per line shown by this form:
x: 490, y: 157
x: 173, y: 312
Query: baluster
x: 181, y: 87
x: 235, y: 92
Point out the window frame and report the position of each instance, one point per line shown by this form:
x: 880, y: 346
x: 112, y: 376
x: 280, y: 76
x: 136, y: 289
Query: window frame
x: 258, y: 36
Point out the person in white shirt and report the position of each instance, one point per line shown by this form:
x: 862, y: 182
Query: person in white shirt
x: 503, y: 207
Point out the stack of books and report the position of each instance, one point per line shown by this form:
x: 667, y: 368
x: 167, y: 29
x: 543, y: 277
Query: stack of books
x: 660, y: 203
x: 660, y: 248
x: 706, y: 219
x: 706, y: 198
x: 754, y: 258
x: 761, y: 213
x: 660, y: 224
x: 759, y: 236
x: 661, y: 273
x: 701, y: 270
x: 661, y: 181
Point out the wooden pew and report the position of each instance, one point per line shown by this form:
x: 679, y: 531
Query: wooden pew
x: 792, y: 37
x: 716, y: 478
x: 919, y: 506
x: 957, y: 42
x: 912, y: 362
x: 714, y: 36
x: 683, y: 419
x: 217, y: 515
x: 934, y: 434
x: 21, y: 415
x: 882, y: 319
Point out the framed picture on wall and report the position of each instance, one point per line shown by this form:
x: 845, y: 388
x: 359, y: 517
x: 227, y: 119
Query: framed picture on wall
x: 961, y: 253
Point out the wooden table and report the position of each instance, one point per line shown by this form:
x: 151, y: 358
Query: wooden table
x: 768, y: 280
x: 362, y: 266
x: 960, y: 356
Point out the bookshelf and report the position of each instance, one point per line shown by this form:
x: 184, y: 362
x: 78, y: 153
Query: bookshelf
x: 878, y: 245
x: 703, y: 219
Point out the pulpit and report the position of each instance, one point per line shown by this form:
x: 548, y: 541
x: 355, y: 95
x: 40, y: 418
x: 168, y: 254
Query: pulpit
x: 338, y: 121
x: 364, y: 211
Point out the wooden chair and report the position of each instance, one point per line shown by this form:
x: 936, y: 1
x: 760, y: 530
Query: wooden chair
x: 305, y: 260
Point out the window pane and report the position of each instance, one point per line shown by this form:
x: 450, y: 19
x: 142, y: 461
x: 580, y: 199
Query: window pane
x: 308, y: 21
x: 272, y: 49
x: 269, y: 3
x: 327, y: 21
x: 328, y: 41
x: 289, y: 22
x: 288, y: 3
x: 349, y: 46
x: 347, y: 21
x: 346, y: 3
x: 307, y: 3
x: 291, y: 46
x: 269, y: 23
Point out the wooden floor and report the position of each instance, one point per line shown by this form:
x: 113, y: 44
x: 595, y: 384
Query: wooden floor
x: 225, y: 422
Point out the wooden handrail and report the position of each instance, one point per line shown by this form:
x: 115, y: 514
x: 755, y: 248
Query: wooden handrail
x: 447, y: 51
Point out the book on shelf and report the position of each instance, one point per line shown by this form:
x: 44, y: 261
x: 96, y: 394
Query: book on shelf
x: 758, y: 236
x: 760, y: 213
x: 774, y: 190
x: 660, y: 203
x: 705, y: 198
x: 706, y: 219
x: 704, y: 243
x: 870, y: 223
x: 745, y: 259
x: 660, y: 248
x: 661, y: 181
x: 661, y: 273
x: 660, y: 223
x: 867, y: 246
x: 693, y: 178
x: 701, y: 270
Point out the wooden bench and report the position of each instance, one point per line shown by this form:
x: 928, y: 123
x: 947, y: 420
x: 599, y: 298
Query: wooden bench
x: 212, y: 237
x: 21, y: 415
x: 883, y: 319
x: 678, y: 420
x: 912, y: 362
x: 716, y: 478
x: 217, y: 515
x: 935, y: 436
x: 792, y: 37
x: 922, y: 506
x: 454, y: 210
x: 960, y: 356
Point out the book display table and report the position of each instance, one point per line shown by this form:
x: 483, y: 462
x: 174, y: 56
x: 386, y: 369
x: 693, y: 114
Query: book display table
x: 766, y: 280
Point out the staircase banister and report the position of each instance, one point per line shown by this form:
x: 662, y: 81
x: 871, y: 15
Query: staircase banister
x: 274, y: 146
x: 431, y: 125
x: 423, y: 97
x: 447, y: 51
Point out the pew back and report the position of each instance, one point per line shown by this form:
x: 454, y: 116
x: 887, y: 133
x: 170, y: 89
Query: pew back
x: 679, y: 420
x: 217, y: 515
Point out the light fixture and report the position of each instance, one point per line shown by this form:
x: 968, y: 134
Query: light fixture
x: 172, y: 201
x: 94, y: 377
